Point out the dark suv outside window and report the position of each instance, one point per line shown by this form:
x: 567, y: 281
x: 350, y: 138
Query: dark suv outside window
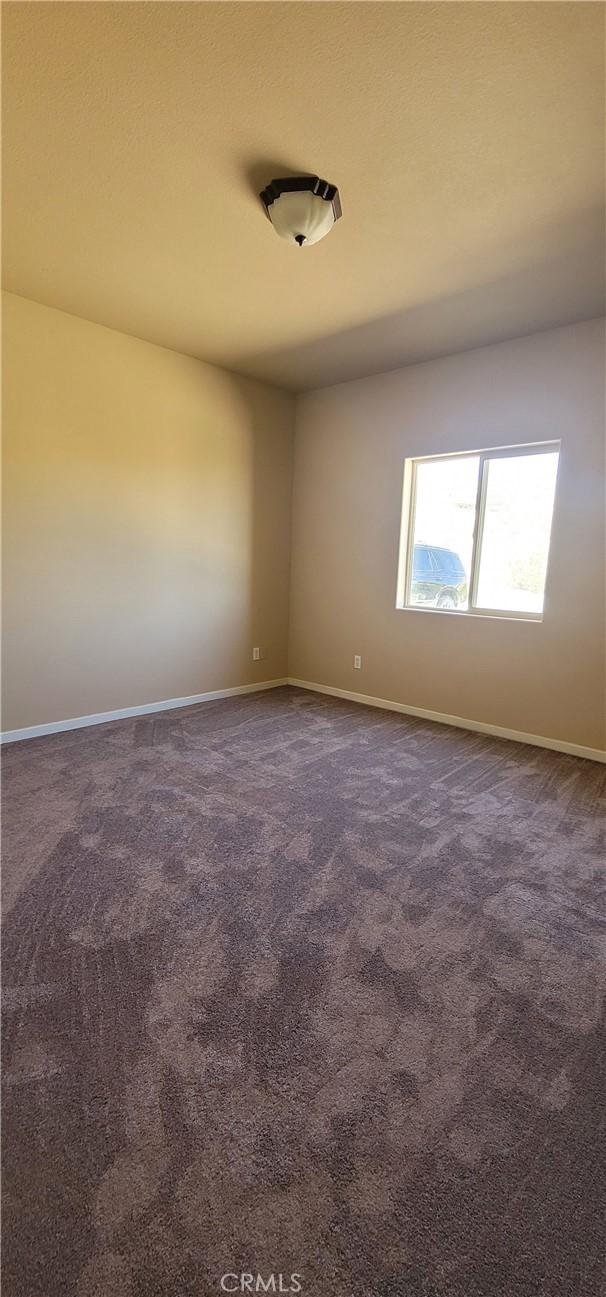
x: 438, y: 577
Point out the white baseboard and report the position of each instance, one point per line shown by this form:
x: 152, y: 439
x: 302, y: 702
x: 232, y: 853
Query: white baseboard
x: 517, y: 736
x: 101, y: 718
x: 171, y: 704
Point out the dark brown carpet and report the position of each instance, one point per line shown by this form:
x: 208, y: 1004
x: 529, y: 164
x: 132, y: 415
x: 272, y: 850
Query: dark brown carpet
x: 295, y: 986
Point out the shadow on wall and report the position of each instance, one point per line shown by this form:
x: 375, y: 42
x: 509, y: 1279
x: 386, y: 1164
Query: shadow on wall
x: 556, y: 289
x: 240, y: 558
x: 270, y: 486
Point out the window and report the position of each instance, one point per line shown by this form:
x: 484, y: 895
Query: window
x: 475, y: 531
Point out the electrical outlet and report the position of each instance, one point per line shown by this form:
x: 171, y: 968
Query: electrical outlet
x: 357, y: 662
x: 256, y: 655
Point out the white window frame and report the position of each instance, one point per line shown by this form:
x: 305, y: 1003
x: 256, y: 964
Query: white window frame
x: 408, y: 527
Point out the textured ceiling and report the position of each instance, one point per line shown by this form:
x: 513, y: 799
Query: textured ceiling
x: 466, y: 139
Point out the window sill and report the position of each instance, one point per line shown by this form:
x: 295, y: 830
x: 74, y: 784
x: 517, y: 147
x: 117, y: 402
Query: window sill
x: 478, y: 614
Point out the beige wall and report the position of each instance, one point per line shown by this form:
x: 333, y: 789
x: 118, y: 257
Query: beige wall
x: 542, y: 678
x: 146, y: 521
x: 147, y: 528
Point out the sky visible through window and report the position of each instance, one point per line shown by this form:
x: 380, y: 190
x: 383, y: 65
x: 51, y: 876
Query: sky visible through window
x: 517, y: 523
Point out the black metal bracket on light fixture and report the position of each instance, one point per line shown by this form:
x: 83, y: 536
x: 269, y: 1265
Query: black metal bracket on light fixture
x: 313, y: 185
x: 290, y: 184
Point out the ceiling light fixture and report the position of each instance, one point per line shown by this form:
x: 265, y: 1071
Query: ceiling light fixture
x: 301, y: 209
